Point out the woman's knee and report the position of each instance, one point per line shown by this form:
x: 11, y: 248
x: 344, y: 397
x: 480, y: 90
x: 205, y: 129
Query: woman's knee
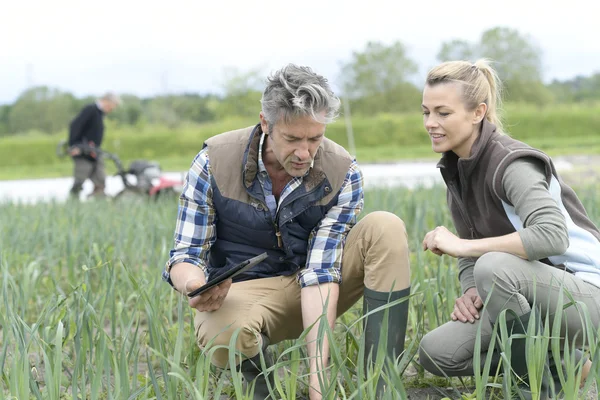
x: 433, y: 354
x: 491, y: 265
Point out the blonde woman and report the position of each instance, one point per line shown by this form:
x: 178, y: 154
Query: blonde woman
x: 523, y: 234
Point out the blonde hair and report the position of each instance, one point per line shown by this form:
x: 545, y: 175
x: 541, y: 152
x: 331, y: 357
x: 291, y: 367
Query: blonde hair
x: 480, y: 84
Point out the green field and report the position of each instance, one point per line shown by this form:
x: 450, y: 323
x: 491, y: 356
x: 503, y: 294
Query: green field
x: 85, y: 314
x: 557, y: 129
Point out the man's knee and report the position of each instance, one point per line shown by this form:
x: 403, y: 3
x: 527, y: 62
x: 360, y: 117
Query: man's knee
x: 383, y: 222
x: 385, y: 250
x: 218, y: 346
x: 383, y: 231
x: 99, y: 178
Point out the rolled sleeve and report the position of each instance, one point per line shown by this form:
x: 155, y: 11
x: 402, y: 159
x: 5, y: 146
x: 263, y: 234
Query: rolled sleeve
x: 544, y: 232
x: 466, y: 277
x: 195, y: 231
x: 326, y: 243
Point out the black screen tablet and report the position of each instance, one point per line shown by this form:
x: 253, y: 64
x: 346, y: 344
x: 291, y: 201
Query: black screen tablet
x: 230, y: 273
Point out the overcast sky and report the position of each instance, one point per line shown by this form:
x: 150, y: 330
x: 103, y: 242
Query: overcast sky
x: 149, y: 47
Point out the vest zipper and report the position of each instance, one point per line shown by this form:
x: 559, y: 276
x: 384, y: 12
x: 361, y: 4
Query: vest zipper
x: 461, y: 208
x: 287, y: 201
x: 278, y: 234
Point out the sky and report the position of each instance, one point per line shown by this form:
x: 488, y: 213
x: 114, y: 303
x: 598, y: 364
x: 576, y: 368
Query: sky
x: 150, y: 47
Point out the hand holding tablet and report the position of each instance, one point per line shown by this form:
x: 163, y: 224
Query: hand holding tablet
x: 230, y: 273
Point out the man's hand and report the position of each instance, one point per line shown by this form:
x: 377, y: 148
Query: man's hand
x: 212, y: 299
x: 441, y: 241
x: 187, y: 277
x: 466, y: 307
x: 74, y: 151
x: 313, y: 299
x: 92, y: 154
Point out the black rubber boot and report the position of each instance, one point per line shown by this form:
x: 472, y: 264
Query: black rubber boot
x: 518, y: 356
x: 396, y: 326
x: 98, y: 192
x: 253, y: 374
x: 579, y: 358
x: 74, y: 192
x: 494, y: 363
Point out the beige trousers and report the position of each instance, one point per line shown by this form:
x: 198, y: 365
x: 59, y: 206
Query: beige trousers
x: 375, y: 255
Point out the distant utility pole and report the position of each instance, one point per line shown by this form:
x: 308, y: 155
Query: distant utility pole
x: 164, y: 89
x: 349, y: 130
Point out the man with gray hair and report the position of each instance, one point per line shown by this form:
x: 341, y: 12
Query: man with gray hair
x: 282, y: 188
x: 86, y: 132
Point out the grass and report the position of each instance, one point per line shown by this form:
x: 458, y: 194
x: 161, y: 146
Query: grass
x: 556, y: 129
x: 377, y: 154
x: 85, y: 315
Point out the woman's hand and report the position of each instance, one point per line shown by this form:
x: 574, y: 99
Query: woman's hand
x: 467, y: 306
x: 441, y: 241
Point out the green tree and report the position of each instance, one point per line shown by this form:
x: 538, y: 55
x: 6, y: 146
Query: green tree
x: 43, y: 109
x: 456, y: 50
x: 578, y: 89
x: 130, y: 112
x: 516, y: 57
x: 193, y: 107
x: 4, y: 111
x: 377, y: 79
x: 242, y: 92
x: 159, y: 110
x: 174, y: 109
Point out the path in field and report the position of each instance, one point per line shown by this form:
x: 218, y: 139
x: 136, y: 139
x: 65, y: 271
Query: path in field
x: 407, y: 174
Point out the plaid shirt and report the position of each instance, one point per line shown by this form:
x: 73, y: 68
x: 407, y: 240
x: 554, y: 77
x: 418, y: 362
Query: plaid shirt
x: 267, y: 185
x: 195, y: 231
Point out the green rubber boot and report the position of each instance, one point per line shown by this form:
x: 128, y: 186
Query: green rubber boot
x: 397, y: 317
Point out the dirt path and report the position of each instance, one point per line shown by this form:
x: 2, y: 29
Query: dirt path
x: 585, y: 171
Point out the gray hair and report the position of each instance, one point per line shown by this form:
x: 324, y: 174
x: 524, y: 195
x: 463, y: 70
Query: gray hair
x: 294, y: 92
x: 112, y: 97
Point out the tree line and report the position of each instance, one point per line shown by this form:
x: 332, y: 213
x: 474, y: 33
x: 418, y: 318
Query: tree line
x: 376, y: 79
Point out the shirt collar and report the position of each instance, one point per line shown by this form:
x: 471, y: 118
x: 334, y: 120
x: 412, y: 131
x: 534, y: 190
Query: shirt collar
x: 450, y: 161
x: 99, y: 105
x: 261, y: 164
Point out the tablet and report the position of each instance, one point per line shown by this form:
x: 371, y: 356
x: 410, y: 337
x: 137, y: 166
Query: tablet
x: 230, y: 273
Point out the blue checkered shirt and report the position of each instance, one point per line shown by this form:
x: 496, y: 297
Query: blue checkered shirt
x: 195, y: 231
